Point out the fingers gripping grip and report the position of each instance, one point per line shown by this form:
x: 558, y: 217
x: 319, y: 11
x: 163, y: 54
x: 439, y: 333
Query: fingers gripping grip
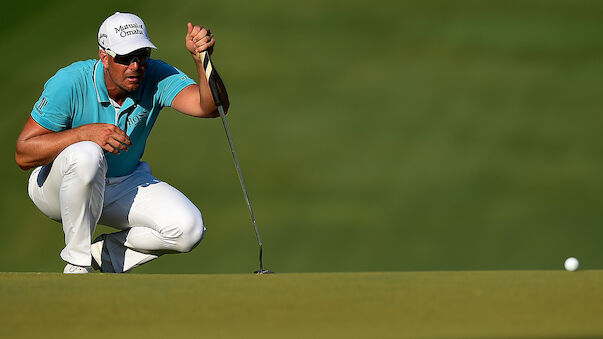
x: 210, y: 75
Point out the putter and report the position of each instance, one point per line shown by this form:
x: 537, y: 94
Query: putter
x: 211, y: 80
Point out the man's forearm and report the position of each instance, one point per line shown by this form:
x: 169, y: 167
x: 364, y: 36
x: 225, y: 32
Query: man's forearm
x: 206, y: 99
x: 38, y: 146
x: 42, y: 149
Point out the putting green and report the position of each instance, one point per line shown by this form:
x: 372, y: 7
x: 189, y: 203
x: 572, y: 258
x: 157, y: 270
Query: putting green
x: 535, y: 304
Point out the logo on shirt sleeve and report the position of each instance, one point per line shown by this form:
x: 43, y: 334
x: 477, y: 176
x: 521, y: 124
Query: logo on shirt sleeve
x: 41, y: 104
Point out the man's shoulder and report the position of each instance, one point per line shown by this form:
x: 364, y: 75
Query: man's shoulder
x: 79, y: 71
x: 158, y: 66
x: 153, y: 63
x: 78, y: 67
x: 158, y: 70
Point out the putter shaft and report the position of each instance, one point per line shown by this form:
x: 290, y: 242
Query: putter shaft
x: 211, y: 79
x: 243, y: 187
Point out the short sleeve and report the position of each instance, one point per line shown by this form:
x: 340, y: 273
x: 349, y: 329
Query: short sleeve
x: 170, y: 81
x: 53, y: 108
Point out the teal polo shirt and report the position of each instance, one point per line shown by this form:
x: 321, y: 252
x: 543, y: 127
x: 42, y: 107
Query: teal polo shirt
x: 77, y: 95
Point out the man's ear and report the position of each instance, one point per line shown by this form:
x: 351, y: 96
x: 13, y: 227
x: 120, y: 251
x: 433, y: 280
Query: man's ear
x: 104, y: 58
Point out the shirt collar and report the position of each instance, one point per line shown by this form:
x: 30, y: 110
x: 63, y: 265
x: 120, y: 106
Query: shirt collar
x: 98, y: 77
x: 102, y: 94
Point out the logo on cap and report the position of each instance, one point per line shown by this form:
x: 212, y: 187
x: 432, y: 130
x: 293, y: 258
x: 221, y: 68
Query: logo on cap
x: 129, y: 29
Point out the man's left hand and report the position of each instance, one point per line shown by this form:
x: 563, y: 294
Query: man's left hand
x: 199, y: 39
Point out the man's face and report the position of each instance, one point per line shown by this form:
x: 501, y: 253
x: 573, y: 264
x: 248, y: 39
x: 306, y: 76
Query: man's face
x: 125, y: 71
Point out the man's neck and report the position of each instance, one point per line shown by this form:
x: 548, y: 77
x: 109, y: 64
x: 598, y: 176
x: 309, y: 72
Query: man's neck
x: 116, y: 93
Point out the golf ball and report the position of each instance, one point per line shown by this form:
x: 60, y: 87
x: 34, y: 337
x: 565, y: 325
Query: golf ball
x: 571, y: 264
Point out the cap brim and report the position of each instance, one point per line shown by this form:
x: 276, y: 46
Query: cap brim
x: 131, y: 46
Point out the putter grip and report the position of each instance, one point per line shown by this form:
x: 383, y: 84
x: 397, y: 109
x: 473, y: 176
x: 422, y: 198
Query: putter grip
x: 210, y: 74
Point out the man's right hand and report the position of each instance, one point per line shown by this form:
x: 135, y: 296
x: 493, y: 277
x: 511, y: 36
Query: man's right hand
x: 109, y: 137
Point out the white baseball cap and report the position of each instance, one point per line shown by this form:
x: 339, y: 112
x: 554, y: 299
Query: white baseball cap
x: 123, y: 33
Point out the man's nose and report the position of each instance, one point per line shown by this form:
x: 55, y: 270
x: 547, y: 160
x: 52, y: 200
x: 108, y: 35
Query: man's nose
x: 134, y: 64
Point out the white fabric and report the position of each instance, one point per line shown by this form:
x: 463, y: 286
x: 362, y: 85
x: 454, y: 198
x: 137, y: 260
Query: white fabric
x: 154, y: 217
x: 72, y: 269
x: 123, y: 33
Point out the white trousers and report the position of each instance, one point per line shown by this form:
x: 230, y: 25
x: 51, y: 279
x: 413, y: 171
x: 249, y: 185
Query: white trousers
x: 154, y: 218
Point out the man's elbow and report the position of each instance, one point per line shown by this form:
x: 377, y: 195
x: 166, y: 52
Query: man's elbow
x: 215, y: 112
x: 22, y: 162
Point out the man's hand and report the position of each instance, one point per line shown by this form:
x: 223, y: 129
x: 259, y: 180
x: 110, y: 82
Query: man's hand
x: 196, y: 100
x: 109, y: 137
x: 37, y: 146
x: 199, y: 39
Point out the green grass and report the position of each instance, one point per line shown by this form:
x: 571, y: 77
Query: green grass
x: 373, y: 136
x: 486, y: 304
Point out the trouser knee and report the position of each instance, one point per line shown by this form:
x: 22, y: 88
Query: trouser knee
x: 85, y: 158
x: 190, y: 231
x: 77, y: 172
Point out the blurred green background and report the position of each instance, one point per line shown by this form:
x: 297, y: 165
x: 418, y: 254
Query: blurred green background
x: 373, y: 136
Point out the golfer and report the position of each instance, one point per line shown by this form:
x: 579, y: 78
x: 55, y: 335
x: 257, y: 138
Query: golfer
x: 85, y: 138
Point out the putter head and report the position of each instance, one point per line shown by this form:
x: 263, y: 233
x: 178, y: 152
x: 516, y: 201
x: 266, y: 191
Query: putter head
x: 263, y: 271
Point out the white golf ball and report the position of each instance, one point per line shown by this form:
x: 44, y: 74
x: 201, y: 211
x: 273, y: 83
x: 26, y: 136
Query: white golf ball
x: 571, y: 264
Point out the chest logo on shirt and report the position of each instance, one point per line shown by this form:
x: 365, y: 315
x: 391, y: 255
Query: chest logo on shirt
x: 136, y: 117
